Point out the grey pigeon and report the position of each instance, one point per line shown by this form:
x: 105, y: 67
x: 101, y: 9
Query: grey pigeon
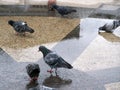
x: 110, y: 26
x: 20, y: 26
x: 53, y: 60
x: 33, y: 71
x: 63, y: 10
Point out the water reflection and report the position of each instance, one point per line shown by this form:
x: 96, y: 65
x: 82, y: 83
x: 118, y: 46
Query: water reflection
x: 33, y: 86
x: 56, y: 81
x: 111, y: 37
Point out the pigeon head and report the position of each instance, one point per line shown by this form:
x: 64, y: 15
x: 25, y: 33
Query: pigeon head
x: 44, y: 50
x: 11, y: 22
x: 102, y: 28
x: 54, y: 6
x: 33, y: 71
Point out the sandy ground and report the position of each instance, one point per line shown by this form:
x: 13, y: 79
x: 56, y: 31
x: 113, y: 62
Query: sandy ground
x: 47, y: 29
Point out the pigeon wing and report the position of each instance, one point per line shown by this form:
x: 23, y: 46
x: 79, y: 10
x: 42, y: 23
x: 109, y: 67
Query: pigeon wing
x: 62, y: 10
x: 19, y: 27
x: 51, y: 59
x: 63, y: 63
x: 56, y: 61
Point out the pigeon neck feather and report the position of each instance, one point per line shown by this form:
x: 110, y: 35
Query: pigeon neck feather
x: 45, y: 52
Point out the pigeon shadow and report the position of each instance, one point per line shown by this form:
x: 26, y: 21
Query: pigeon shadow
x: 111, y: 37
x: 56, y: 81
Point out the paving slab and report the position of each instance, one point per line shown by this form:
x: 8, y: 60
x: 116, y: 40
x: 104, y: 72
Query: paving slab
x: 95, y: 58
x: 107, y: 11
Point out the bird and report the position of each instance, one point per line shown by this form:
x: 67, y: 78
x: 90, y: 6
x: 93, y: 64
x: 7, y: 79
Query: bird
x: 33, y: 71
x: 53, y: 60
x: 20, y: 27
x: 50, y: 3
x: 110, y: 26
x: 63, y: 10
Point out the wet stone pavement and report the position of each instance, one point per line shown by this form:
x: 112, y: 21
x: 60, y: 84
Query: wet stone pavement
x: 95, y: 58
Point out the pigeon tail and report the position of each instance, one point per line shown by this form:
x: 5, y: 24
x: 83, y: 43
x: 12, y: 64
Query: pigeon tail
x: 30, y: 30
x: 74, y: 11
x: 67, y: 65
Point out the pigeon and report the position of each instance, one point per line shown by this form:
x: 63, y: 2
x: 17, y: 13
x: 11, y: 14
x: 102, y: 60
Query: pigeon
x: 20, y: 26
x: 110, y: 26
x: 50, y: 3
x: 63, y: 10
x: 33, y: 71
x: 53, y: 60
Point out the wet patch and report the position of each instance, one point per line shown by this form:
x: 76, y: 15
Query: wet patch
x: 56, y: 81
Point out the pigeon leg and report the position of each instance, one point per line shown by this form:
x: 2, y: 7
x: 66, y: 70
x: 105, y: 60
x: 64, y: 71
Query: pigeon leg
x: 56, y: 71
x: 24, y: 34
x: 17, y: 33
x: 33, y: 79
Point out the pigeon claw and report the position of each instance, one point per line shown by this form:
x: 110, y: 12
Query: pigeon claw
x: 50, y: 71
x: 34, y: 79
